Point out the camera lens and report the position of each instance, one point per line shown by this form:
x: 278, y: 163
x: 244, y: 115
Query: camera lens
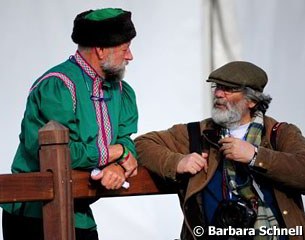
x: 235, y: 214
x: 231, y: 215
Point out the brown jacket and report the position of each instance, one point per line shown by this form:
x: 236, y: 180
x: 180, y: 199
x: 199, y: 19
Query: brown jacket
x: 161, y: 151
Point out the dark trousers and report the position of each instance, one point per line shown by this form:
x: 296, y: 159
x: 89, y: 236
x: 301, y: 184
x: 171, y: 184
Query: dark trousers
x: 19, y: 227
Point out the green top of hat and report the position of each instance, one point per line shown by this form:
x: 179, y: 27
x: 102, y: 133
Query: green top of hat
x: 105, y: 13
x: 107, y: 27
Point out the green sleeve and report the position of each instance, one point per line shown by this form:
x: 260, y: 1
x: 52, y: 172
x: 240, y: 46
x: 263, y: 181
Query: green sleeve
x: 54, y: 102
x: 128, y: 120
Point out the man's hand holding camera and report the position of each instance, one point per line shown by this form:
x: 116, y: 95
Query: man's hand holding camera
x: 237, y: 149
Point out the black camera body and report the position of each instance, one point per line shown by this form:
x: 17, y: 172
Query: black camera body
x: 234, y: 213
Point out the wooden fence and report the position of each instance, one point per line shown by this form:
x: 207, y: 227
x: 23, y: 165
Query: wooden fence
x: 57, y: 185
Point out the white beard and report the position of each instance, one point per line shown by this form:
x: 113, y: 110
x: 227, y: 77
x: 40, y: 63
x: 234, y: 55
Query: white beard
x: 114, y: 73
x: 230, y: 117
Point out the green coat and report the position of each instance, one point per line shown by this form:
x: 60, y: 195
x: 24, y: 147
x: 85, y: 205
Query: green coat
x: 63, y: 94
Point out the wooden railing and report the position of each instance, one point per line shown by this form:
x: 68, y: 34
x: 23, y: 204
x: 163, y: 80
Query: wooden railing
x: 57, y: 185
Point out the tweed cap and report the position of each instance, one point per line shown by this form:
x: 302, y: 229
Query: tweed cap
x: 240, y: 74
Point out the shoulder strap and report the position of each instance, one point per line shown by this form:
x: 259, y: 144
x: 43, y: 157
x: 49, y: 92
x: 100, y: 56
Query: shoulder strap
x: 194, y: 133
x: 273, y: 133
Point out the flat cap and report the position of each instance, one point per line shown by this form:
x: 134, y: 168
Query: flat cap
x: 240, y: 74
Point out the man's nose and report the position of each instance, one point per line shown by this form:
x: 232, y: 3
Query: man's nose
x: 220, y: 93
x: 128, y: 55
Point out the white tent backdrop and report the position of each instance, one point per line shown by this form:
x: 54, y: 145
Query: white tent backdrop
x: 172, y: 57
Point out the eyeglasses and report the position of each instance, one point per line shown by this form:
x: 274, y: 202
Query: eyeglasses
x: 227, y: 90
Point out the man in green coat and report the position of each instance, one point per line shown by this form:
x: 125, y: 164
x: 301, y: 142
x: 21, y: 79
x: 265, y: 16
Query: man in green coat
x: 86, y: 94
x: 245, y: 180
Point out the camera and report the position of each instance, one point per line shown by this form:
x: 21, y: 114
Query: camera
x: 234, y: 213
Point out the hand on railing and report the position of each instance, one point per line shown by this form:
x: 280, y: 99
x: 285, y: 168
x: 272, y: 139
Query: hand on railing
x: 111, y: 176
x: 130, y: 165
x: 120, y: 154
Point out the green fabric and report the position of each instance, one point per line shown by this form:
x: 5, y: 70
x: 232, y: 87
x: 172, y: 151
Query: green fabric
x: 102, y: 14
x: 51, y: 100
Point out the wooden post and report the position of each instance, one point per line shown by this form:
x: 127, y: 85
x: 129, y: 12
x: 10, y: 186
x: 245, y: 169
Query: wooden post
x: 54, y: 154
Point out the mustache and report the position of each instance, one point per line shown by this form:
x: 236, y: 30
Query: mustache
x: 220, y: 101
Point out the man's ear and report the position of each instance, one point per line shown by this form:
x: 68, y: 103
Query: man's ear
x: 99, y: 52
x: 251, y: 104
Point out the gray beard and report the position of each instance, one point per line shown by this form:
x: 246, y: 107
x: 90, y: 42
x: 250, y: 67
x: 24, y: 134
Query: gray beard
x: 113, y: 74
x: 231, y: 117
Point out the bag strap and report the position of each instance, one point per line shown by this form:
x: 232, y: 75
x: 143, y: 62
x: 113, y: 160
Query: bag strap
x: 273, y: 133
x: 195, y: 140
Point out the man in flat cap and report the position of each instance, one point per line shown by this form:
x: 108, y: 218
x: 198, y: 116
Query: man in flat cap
x: 87, y: 95
x: 239, y: 174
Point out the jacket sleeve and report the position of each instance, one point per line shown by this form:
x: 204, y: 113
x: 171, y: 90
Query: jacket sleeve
x: 286, y: 164
x: 161, y: 151
x: 52, y: 100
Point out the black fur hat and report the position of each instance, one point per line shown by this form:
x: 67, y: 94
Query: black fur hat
x: 106, y: 27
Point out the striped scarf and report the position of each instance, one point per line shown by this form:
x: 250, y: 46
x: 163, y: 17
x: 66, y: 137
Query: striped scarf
x: 265, y: 216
